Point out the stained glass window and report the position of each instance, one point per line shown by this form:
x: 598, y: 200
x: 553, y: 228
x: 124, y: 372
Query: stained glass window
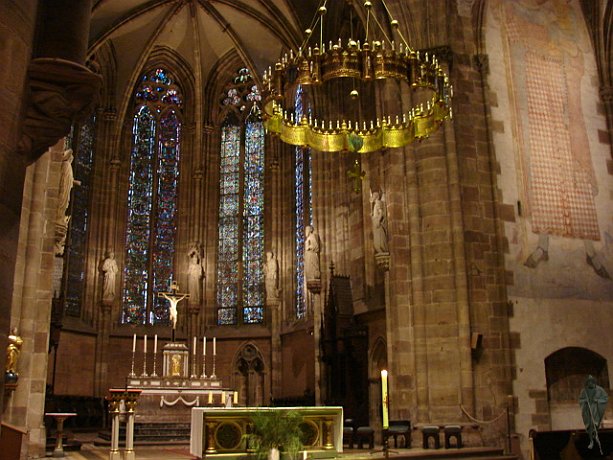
x: 152, y: 198
x: 79, y: 221
x: 303, y: 186
x: 240, y: 294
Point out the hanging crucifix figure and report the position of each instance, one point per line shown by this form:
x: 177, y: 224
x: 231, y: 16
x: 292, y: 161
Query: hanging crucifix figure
x: 174, y: 297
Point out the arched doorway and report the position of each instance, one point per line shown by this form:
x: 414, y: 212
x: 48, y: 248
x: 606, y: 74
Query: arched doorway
x: 378, y: 362
x: 565, y: 371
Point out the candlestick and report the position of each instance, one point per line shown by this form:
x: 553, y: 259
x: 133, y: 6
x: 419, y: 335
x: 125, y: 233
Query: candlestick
x: 155, y: 344
x: 155, y: 354
x: 203, y: 376
x: 213, y: 376
x: 384, y: 399
x: 194, y: 376
x: 132, y: 374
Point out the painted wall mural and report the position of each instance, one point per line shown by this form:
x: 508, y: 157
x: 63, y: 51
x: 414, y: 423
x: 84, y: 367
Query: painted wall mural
x: 553, y: 165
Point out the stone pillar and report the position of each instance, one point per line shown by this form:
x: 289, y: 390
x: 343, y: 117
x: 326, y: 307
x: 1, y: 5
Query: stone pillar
x: 314, y: 300
x: 17, y: 24
x: 32, y: 303
x: 273, y: 306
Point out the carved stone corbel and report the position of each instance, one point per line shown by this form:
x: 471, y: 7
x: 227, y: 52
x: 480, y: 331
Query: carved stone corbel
x: 60, y: 92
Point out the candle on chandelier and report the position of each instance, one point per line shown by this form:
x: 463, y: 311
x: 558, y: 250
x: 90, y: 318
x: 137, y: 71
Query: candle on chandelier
x: 145, y: 344
x: 384, y: 399
x: 134, y: 344
x: 194, y: 350
x: 155, y: 344
x: 204, y: 346
x: 214, y: 346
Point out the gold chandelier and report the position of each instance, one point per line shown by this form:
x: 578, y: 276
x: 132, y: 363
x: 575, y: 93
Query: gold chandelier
x: 372, y: 60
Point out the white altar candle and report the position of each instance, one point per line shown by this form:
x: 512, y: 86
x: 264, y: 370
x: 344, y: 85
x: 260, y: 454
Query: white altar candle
x: 210, y: 397
x: 194, y: 350
x: 203, y: 346
x: 235, y: 399
x: 145, y: 344
x: 155, y: 344
x: 384, y: 399
x: 214, y: 346
x: 134, y: 344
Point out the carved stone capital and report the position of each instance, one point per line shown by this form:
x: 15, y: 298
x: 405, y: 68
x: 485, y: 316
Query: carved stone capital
x: 60, y: 92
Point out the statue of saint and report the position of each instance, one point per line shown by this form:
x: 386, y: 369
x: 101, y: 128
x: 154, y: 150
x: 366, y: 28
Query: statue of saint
x: 194, y: 273
x: 379, y: 223
x: 67, y: 181
x: 13, y: 349
x: 175, y: 366
x: 593, y: 401
x: 311, y: 255
x: 271, y: 272
x: 110, y: 270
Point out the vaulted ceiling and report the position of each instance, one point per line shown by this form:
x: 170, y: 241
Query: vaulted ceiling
x: 201, y: 32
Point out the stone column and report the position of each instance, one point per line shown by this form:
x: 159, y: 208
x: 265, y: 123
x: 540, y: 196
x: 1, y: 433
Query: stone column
x: 314, y: 299
x: 17, y: 24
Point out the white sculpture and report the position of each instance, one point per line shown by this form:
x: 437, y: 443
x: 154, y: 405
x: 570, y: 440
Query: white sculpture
x: 195, y: 273
x: 311, y: 255
x: 271, y: 272
x: 379, y: 223
x: 110, y: 270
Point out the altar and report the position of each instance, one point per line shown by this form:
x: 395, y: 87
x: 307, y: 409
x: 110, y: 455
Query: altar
x: 220, y: 432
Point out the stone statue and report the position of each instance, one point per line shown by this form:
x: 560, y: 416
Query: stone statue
x: 13, y: 349
x: 67, y: 181
x: 271, y: 272
x: 311, y: 255
x: 593, y: 401
x: 195, y: 273
x: 110, y: 270
x: 379, y: 223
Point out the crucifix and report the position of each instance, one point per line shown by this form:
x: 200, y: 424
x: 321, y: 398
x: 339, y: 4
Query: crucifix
x: 174, y: 297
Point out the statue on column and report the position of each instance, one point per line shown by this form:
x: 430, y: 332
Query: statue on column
x: 110, y: 270
x: 13, y: 350
x: 271, y: 280
x: 67, y: 181
x: 311, y: 255
x: 195, y: 273
x: 379, y: 223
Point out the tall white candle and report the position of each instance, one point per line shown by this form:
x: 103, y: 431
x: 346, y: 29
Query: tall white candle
x: 384, y: 399
x: 194, y: 349
x: 155, y: 344
x: 214, y: 346
x: 145, y: 344
x: 203, y: 346
x: 134, y: 344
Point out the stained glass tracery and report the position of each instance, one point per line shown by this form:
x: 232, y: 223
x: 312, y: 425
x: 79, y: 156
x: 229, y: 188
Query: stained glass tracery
x: 241, y: 209
x: 152, y: 198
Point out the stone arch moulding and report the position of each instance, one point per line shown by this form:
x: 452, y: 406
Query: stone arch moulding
x: 249, y: 375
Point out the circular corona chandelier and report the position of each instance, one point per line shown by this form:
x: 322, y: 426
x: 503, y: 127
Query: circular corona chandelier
x: 314, y: 65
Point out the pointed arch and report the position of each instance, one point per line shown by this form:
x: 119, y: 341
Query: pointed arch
x: 249, y: 374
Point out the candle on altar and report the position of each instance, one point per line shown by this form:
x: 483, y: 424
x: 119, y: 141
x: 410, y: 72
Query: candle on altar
x: 384, y: 399
x: 134, y: 344
x: 214, y: 346
x: 235, y: 398
x: 223, y: 397
x: 203, y: 346
x: 304, y: 455
x: 155, y: 344
x: 194, y: 350
x: 145, y: 344
x: 210, y: 397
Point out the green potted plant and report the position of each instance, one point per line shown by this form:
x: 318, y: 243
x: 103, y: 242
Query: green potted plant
x: 273, y: 431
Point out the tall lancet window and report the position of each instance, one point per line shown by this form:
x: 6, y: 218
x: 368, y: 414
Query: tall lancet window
x: 240, y: 275
x: 152, y: 198
x: 79, y: 217
x: 303, y: 186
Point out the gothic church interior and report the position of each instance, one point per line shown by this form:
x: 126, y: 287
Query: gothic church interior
x: 473, y: 265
